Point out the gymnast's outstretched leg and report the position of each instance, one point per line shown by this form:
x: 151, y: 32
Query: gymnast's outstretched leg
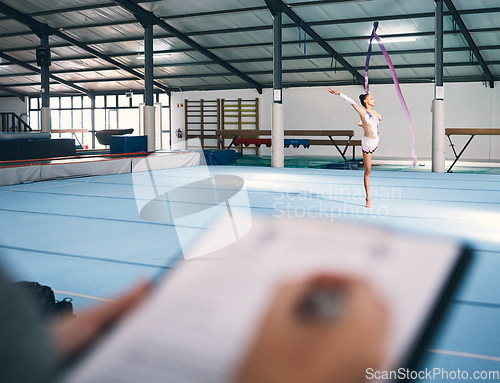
x: 367, y: 161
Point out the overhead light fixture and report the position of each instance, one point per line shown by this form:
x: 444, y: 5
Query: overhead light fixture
x: 141, y: 56
x: 402, y: 39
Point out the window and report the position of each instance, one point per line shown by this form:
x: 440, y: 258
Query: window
x: 54, y: 102
x: 111, y: 101
x: 99, y: 101
x: 77, y: 102
x: 100, y: 119
x: 129, y: 118
x: 66, y: 103
x: 111, y: 112
x: 112, y: 119
x: 124, y: 101
x: 87, y: 102
x: 137, y: 99
x: 77, y: 119
x: 164, y: 99
x: 55, y: 118
x: 66, y: 119
x: 34, y: 120
x: 34, y: 103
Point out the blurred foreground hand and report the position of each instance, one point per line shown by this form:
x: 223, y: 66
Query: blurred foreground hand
x: 293, y: 348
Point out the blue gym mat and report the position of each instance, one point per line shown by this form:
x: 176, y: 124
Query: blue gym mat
x: 84, y: 237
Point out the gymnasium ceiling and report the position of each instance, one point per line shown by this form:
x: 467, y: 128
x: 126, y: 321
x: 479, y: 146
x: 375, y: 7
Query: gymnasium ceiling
x: 222, y: 44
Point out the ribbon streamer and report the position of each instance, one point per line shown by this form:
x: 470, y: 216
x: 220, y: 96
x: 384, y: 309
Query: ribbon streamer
x: 396, y: 84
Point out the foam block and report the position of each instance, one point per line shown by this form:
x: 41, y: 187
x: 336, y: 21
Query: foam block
x: 220, y: 157
x: 128, y: 144
x: 36, y: 149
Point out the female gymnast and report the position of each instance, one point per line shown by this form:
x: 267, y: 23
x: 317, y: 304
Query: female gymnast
x: 369, y: 121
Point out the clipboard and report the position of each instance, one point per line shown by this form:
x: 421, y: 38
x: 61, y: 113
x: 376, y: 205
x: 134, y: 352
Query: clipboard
x: 203, y: 315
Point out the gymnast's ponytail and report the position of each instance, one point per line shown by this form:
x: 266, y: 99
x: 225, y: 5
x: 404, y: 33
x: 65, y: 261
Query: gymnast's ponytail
x: 362, y: 99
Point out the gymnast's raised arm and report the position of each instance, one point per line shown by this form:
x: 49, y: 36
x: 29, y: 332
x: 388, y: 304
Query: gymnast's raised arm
x: 358, y: 108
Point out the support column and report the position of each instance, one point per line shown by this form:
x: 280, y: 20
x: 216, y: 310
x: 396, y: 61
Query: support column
x: 158, y: 126
x: 43, y: 61
x: 45, y: 120
x: 149, y: 126
x: 92, y: 117
x: 438, y: 120
x: 149, y: 110
x: 277, y: 133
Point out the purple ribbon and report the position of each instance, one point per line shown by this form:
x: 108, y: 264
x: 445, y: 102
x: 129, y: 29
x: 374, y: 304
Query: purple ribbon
x: 396, y: 84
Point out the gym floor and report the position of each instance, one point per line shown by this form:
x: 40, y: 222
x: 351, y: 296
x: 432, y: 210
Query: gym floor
x: 378, y: 163
x: 85, y: 238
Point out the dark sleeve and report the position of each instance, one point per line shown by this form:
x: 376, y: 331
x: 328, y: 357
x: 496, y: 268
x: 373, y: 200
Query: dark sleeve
x: 26, y: 352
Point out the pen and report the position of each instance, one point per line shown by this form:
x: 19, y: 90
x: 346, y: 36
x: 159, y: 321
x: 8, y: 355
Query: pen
x: 321, y: 303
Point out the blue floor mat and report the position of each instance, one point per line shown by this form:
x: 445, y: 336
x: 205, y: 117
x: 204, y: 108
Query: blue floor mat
x: 85, y: 235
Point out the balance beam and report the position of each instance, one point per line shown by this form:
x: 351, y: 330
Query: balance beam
x: 72, y: 131
x: 467, y: 132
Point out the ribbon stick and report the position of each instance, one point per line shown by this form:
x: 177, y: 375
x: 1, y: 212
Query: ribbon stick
x: 368, y: 55
x: 396, y: 84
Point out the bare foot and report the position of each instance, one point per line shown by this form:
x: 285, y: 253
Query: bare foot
x: 368, y: 202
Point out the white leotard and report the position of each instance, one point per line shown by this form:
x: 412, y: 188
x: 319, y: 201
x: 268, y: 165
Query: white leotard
x: 369, y: 144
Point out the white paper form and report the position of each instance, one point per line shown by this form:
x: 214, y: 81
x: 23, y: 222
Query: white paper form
x: 201, y: 319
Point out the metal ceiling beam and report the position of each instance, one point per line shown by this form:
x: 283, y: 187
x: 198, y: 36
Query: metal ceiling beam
x: 260, y: 28
x: 147, y: 21
x: 293, y: 71
x: 310, y: 31
x: 35, y: 26
x: 6, y: 89
x: 142, y: 13
x: 37, y: 70
x: 402, y: 80
x: 100, y: 55
x: 458, y: 19
x: 212, y: 13
x: 187, y: 15
x: 257, y: 28
x: 265, y: 27
x: 252, y: 9
x: 78, y: 8
x: 42, y: 31
x: 472, y: 11
x: 270, y: 59
x: 240, y: 46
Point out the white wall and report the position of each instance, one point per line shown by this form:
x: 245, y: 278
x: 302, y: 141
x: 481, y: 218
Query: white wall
x: 466, y: 105
x: 13, y: 104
